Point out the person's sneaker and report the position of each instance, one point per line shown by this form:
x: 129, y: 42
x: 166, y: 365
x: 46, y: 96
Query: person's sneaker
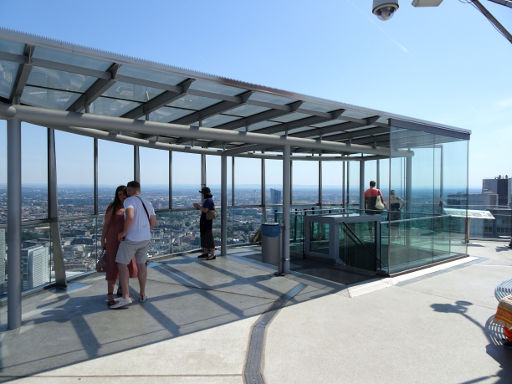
x: 143, y: 299
x: 121, y: 303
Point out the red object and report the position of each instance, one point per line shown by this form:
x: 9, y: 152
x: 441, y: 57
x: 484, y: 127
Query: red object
x: 115, y: 227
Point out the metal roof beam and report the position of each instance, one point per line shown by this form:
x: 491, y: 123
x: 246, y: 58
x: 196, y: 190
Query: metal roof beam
x: 23, y: 73
x: 259, y: 117
x: 215, y: 109
x: 355, y: 134
x: 95, y: 90
x: 159, y: 101
x: 322, y: 131
x: 45, y: 116
x: 301, y: 122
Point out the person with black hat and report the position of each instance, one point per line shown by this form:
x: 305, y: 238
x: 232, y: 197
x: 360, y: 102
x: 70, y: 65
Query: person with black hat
x: 205, y: 225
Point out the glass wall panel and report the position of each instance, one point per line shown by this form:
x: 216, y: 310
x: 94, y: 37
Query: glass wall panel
x: 247, y: 181
x: 3, y: 171
x: 384, y: 176
x: 115, y: 167
x: 353, y: 181
x: 332, y: 180
x: 213, y: 178
x: 34, y: 174
x: 243, y: 223
x: 305, y: 182
x: 75, y: 174
x: 424, y: 233
x: 154, y: 176
x: 36, y: 260
x: 80, y: 241
x: 274, y: 181
x: 186, y: 171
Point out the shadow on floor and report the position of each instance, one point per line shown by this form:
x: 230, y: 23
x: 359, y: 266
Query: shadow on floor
x: 186, y: 295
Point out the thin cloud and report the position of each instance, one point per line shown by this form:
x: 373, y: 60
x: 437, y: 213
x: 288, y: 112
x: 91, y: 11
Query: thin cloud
x: 505, y: 103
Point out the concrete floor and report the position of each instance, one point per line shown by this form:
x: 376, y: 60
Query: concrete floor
x: 432, y: 326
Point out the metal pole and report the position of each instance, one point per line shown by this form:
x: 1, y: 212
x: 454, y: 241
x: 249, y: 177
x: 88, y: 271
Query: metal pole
x: 361, y: 184
x: 96, y: 204
x: 348, y: 184
x: 284, y: 265
x: 136, y: 163
x: 14, y: 223
x: 263, y: 192
x: 291, y: 182
x: 233, y: 181
x: 203, y: 170
x: 53, y: 216
x: 224, y: 206
x: 343, y: 202
x: 378, y: 174
x: 408, y: 183
x: 320, y: 201
x: 170, y: 179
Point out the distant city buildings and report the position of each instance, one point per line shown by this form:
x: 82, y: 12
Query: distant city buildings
x: 502, y: 186
x: 275, y: 196
x: 35, y: 266
x: 495, y: 197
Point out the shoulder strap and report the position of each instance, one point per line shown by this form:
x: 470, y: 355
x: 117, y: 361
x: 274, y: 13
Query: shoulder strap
x: 147, y: 214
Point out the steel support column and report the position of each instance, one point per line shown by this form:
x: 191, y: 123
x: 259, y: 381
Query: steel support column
x: 320, y: 182
x: 348, y: 184
x: 378, y: 174
x: 224, y: 206
x: 343, y: 166
x: 263, y: 192
x: 361, y: 184
x: 408, y: 183
x: 284, y: 265
x: 136, y: 163
x: 233, y: 181
x: 53, y: 216
x: 170, y: 179
x: 95, y: 165
x: 203, y: 170
x: 14, y: 223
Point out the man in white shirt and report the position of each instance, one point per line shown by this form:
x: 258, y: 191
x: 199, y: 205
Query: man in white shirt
x: 134, y: 241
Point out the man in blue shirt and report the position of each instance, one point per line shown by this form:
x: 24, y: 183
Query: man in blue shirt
x: 205, y: 225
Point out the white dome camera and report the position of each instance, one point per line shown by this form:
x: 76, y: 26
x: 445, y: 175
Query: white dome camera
x: 384, y: 9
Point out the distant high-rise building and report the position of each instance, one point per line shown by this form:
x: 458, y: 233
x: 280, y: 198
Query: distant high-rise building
x: 275, y: 196
x: 35, y: 266
x: 3, y: 256
x: 501, y: 186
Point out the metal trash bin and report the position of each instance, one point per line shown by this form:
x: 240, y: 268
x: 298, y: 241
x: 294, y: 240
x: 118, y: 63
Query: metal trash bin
x: 271, y: 243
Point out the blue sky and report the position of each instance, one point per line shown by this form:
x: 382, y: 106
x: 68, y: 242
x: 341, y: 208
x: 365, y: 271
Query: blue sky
x: 445, y: 64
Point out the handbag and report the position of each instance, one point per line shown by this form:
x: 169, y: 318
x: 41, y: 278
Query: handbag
x: 378, y: 203
x: 211, y: 214
x: 101, y: 264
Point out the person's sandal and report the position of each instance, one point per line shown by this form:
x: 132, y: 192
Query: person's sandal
x: 110, y: 299
x: 211, y: 257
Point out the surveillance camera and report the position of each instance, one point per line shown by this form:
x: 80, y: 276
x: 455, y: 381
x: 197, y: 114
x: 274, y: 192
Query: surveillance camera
x: 384, y: 9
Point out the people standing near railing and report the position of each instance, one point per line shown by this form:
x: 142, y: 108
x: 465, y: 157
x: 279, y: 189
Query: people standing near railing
x: 394, y: 205
x: 373, y: 204
x: 371, y: 198
x: 205, y: 225
x: 113, y: 224
x: 135, y: 240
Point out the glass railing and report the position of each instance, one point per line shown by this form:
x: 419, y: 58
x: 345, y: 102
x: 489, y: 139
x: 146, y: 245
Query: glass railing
x: 177, y: 231
x: 415, y: 242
